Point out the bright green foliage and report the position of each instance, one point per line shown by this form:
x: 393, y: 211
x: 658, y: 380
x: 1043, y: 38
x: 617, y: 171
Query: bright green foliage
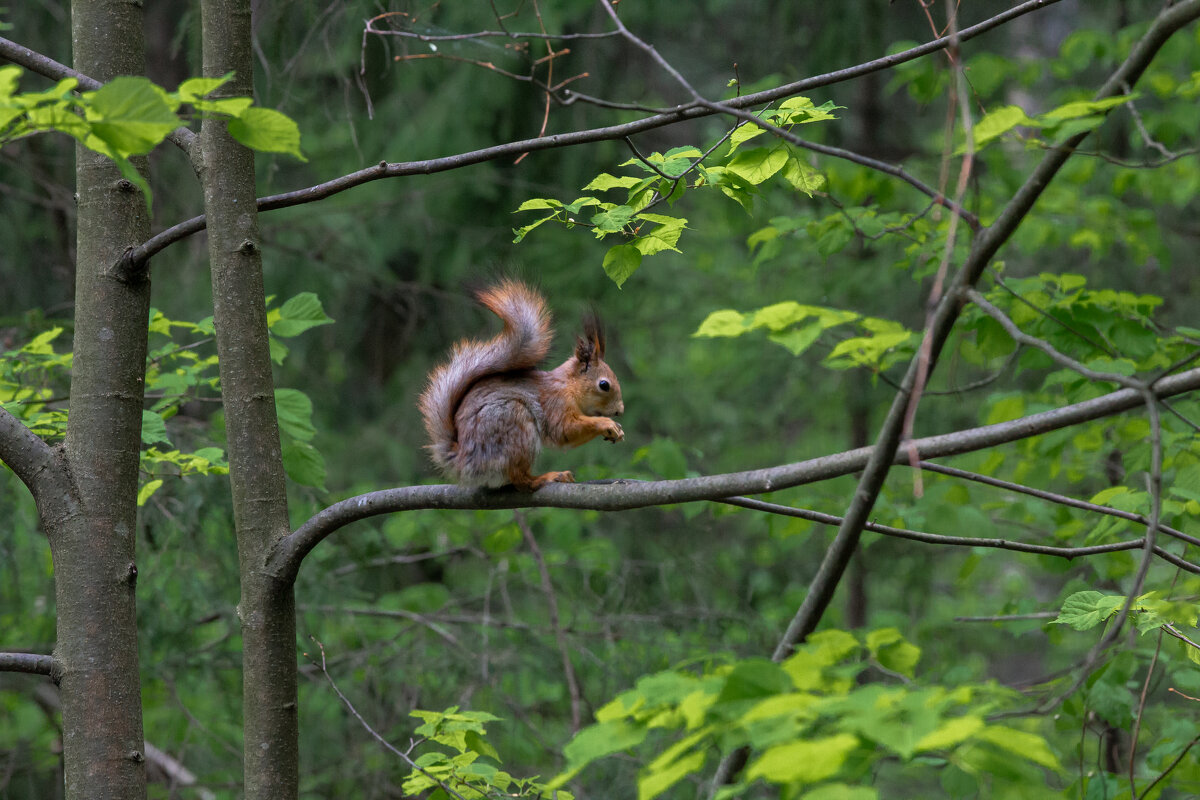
x: 129, y: 116
x: 1058, y: 124
x: 1085, y: 610
x: 881, y: 343
x: 181, y: 377
x: 810, y: 723
x: 470, y: 770
x: 666, y: 176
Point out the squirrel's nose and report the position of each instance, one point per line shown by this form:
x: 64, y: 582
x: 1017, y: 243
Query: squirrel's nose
x: 620, y: 410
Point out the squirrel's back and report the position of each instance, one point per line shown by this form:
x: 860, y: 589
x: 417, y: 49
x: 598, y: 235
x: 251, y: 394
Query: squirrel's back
x: 522, y: 345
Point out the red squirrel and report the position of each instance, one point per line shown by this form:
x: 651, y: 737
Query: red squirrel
x: 489, y: 410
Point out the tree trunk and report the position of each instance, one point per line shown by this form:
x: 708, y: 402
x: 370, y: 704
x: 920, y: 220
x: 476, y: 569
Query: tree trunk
x: 95, y: 570
x: 256, y: 474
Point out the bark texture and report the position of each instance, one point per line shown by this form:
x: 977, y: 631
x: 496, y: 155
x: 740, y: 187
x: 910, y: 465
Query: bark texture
x: 92, y: 542
x: 256, y: 475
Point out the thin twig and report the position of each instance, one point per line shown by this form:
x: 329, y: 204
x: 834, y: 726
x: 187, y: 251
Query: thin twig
x: 936, y: 538
x: 560, y: 636
x: 660, y: 118
x: 367, y: 726
x: 1054, y: 497
x: 1170, y: 767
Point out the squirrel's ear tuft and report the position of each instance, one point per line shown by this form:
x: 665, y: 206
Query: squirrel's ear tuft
x: 585, y: 353
x: 593, y: 331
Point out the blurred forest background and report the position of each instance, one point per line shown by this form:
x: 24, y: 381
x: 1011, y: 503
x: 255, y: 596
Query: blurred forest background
x: 427, y: 610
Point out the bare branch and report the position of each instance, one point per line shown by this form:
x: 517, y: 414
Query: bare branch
x: 459, y: 37
x: 285, y: 561
x: 671, y: 116
x: 1054, y: 497
x: 1068, y: 553
x: 31, y: 663
x: 663, y: 64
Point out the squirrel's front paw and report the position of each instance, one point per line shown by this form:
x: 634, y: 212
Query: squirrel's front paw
x: 612, y: 431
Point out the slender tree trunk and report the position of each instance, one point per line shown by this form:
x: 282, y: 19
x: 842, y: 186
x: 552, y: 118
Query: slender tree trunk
x: 95, y: 570
x: 256, y: 474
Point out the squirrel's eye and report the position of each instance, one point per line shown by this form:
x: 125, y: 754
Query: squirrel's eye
x: 604, y: 385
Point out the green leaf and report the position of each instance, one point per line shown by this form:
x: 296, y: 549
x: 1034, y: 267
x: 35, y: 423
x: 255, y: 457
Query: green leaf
x: 621, y: 261
x: 196, y: 88
x: 999, y: 122
x: 154, y: 428
x: 224, y: 106
x: 597, y: 741
x: 539, y: 204
x: 742, y: 134
x: 889, y: 647
x: 723, y: 323
x: 951, y: 733
x: 1104, y: 495
x: 297, y: 315
x: 1084, y: 108
x: 603, y: 182
x: 612, y: 220
x: 148, y: 489
x: 40, y: 344
x: 805, y: 761
x: 304, y: 464
x: 658, y: 780
x: 802, y: 177
x: 797, y: 340
x: 758, y: 164
x: 268, y: 131
x: 1020, y: 743
x: 754, y: 678
x: 519, y: 234
x: 1084, y: 610
x: 295, y: 413
x: 131, y: 115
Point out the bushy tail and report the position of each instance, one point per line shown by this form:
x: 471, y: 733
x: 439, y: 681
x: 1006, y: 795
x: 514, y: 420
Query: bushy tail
x: 522, y: 344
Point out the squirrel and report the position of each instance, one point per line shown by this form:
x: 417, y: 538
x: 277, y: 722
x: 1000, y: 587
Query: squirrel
x: 489, y: 410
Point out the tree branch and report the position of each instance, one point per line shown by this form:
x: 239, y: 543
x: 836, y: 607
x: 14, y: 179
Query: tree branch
x: 1068, y: 553
x: 688, y: 111
x: 49, y: 68
x: 284, y: 561
x: 31, y: 663
x: 1054, y: 497
x: 982, y: 251
x: 39, y: 467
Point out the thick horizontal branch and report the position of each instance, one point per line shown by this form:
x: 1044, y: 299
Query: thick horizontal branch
x: 31, y: 663
x: 285, y: 561
x: 671, y: 116
x: 49, y: 68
